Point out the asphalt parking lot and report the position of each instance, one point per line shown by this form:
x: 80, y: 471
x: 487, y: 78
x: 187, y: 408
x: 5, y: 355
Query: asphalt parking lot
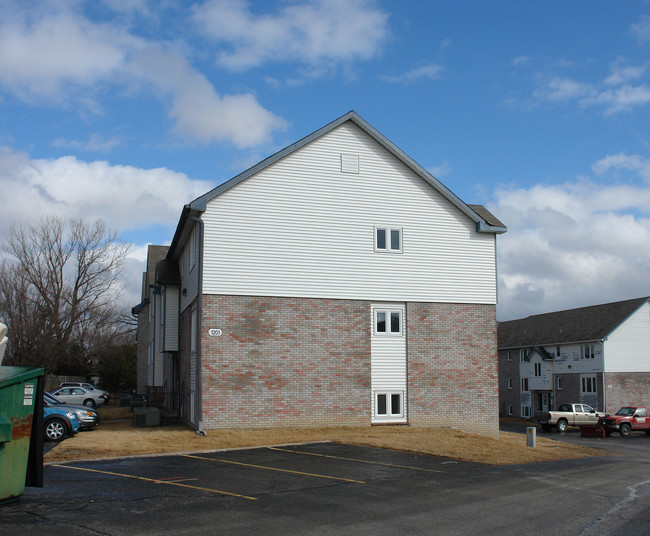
x: 326, y: 488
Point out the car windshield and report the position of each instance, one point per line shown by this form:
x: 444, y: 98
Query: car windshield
x: 625, y: 411
x: 52, y: 399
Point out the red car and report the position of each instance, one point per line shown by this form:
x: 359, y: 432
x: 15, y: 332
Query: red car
x: 626, y: 420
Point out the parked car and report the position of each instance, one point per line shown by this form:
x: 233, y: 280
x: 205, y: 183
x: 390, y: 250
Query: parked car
x: 626, y: 420
x: 88, y: 417
x: 79, y: 396
x: 59, y: 423
x: 87, y: 386
x: 567, y: 415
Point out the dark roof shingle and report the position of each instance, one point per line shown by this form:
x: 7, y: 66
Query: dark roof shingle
x: 574, y: 325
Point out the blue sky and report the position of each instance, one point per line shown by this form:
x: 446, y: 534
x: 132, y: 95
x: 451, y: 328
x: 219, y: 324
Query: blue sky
x: 127, y: 109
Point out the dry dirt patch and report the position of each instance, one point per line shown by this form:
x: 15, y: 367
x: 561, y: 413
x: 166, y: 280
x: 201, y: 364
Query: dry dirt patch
x: 117, y: 437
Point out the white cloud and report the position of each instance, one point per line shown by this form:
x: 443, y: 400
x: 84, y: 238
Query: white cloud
x: 560, y: 89
x: 441, y: 170
x: 574, y: 244
x: 622, y: 74
x: 641, y: 30
x: 94, y: 143
x: 620, y: 99
x: 316, y: 32
x: 41, y: 57
x: 431, y: 72
x: 54, y: 54
x: 126, y: 197
x: 623, y: 161
x: 199, y: 111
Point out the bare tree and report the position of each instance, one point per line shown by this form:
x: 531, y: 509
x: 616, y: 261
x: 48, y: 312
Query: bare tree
x: 64, y: 277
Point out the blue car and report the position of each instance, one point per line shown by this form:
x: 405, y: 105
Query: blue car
x: 59, y: 423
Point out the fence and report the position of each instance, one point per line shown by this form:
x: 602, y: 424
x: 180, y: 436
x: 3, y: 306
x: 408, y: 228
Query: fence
x: 52, y: 381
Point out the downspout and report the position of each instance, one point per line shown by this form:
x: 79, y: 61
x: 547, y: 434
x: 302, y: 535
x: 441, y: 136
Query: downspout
x: 200, y: 430
x: 602, y: 366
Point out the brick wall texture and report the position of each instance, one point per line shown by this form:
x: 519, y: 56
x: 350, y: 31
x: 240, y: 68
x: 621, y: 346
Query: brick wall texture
x: 627, y: 389
x: 306, y: 362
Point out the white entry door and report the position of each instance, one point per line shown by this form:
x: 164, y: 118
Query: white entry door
x: 388, y: 362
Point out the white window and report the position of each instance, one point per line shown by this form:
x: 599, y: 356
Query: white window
x: 538, y: 369
x: 509, y: 383
x: 388, y: 239
x: 587, y: 351
x: 509, y: 409
x: 557, y: 351
x: 588, y: 384
x: 524, y: 384
x: 525, y: 411
x: 509, y: 356
x: 388, y: 322
x: 558, y: 383
x: 522, y: 355
x: 389, y: 404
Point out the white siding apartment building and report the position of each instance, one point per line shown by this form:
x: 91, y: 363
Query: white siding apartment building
x: 337, y: 282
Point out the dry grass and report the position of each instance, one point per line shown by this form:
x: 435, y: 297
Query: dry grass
x: 116, y: 438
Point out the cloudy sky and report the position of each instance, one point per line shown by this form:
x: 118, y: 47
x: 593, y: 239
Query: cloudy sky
x: 127, y: 109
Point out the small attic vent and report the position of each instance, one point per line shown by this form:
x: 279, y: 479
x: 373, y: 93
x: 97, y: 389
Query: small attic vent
x: 349, y: 163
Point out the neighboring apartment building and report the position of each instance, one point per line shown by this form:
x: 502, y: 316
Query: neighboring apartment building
x: 597, y: 355
x: 335, y: 283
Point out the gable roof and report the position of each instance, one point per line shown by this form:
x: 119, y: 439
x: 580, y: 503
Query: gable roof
x: 593, y: 323
x: 484, y: 220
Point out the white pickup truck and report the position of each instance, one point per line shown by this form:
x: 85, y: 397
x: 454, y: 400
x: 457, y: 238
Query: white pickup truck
x: 567, y: 415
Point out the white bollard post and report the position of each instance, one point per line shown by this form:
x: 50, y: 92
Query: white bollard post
x: 531, y: 436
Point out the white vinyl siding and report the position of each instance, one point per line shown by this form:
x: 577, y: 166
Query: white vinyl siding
x: 388, y: 361
x: 156, y: 357
x: 188, y: 264
x: 627, y: 349
x: 301, y: 228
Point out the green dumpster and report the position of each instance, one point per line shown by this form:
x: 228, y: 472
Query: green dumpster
x: 21, y: 430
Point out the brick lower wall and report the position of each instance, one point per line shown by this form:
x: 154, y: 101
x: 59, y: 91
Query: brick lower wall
x: 306, y: 362
x: 285, y: 362
x: 509, y: 398
x: 452, y: 366
x: 627, y: 389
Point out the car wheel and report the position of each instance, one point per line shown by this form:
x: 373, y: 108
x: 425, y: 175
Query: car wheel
x: 89, y: 402
x: 625, y: 429
x: 561, y: 425
x: 55, y: 429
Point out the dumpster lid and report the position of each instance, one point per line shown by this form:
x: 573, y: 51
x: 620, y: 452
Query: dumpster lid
x: 12, y: 375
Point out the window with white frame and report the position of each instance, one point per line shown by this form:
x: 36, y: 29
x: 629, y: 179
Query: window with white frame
x: 557, y: 351
x: 558, y: 383
x: 389, y: 404
x: 388, y: 239
x: 538, y: 369
x: 525, y: 411
x: 509, y: 409
x: 522, y: 355
x: 509, y: 356
x: 588, y: 384
x: 524, y: 384
x: 509, y: 383
x: 388, y: 322
x: 587, y: 351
